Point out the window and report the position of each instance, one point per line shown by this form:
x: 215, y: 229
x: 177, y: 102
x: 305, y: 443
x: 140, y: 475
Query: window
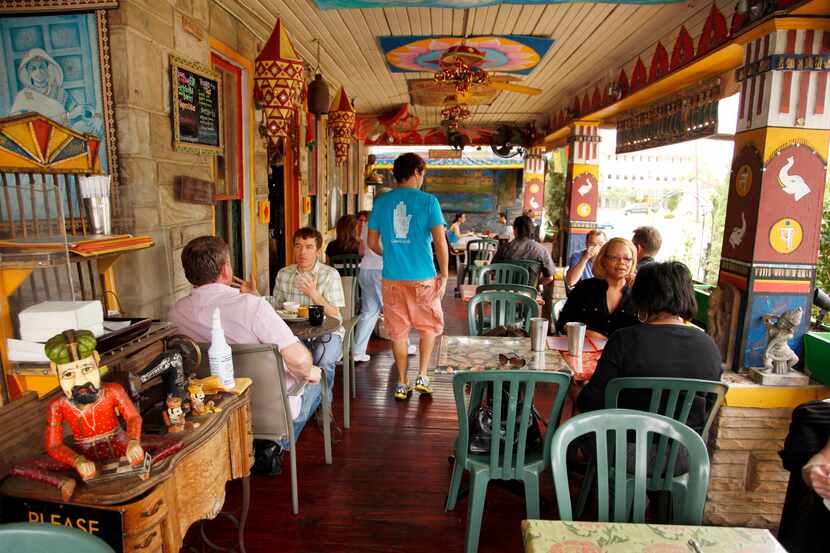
x: 229, y: 170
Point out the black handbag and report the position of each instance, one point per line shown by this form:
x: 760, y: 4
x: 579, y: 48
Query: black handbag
x: 481, y: 425
x: 267, y: 458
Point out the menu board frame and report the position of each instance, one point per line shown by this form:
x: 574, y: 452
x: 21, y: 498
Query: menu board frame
x: 204, y: 72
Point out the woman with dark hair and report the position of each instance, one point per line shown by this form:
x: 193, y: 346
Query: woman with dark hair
x: 347, y: 238
x: 457, y: 238
x: 603, y: 303
x: 665, y: 346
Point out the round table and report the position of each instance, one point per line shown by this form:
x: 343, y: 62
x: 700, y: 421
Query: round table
x: 304, y: 331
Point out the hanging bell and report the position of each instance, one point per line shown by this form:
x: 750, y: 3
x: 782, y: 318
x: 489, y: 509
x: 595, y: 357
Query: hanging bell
x: 318, y: 96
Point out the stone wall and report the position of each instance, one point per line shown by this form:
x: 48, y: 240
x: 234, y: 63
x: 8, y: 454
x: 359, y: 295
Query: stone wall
x: 144, y: 33
x: 748, y: 481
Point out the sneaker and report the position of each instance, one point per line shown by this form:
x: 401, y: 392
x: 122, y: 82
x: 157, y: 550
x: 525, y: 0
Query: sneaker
x: 361, y: 357
x: 402, y: 391
x: 422, y: 385
x: 411, y: 349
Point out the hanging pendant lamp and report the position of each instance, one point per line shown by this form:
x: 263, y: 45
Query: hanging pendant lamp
x: 341, y: 123
x: 278, y: 74
x: 318, y: 91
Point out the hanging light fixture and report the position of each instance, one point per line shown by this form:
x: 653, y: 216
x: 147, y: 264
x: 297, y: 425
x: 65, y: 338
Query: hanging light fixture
x: 341, y: 123
x: 278, y: 74
x: 318, y: 90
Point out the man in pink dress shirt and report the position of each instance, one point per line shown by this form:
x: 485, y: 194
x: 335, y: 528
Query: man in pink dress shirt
x: 246, y: 318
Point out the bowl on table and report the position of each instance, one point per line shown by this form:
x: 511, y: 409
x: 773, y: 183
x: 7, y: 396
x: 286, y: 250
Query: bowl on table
x: 290, y: 306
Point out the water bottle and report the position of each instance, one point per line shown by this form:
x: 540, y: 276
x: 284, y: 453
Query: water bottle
x: 219, y: 354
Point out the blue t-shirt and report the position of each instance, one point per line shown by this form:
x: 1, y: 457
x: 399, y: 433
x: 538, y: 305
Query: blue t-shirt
x: 405, y: 218
x: 589, y: 265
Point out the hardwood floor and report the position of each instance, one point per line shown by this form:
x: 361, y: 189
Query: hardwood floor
x: 386, y: 489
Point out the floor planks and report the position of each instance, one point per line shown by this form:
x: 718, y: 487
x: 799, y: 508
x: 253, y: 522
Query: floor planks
x: 386, y: 489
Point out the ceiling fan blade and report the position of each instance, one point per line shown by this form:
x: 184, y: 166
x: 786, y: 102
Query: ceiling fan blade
x: 510, y: 87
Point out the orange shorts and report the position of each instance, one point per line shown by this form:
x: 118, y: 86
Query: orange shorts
x: 412, y: 303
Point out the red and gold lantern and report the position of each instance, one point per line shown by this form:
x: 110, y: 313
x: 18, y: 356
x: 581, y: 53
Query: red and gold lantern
x: 278, y: 74
x: 341, y: 123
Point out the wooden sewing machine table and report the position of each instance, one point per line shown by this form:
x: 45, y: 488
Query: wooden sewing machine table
x: 155, y: 514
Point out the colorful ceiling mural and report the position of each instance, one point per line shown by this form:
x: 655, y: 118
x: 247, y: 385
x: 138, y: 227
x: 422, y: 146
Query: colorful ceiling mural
x: 459, y: 4
x: 505, y: 53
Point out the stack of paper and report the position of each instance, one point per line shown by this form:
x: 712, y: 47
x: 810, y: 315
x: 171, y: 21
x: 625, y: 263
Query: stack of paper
x: 40, y: 322
x: 21, y: 351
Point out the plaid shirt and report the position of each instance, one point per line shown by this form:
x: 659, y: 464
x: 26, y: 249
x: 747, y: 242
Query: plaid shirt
x: 328, y: 283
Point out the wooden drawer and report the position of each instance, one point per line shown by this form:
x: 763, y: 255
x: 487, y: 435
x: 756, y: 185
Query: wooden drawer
x: 148, y: 542
x: 146, y: 512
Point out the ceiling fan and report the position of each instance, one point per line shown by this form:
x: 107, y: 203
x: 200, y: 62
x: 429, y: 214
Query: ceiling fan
x: 460, y: 68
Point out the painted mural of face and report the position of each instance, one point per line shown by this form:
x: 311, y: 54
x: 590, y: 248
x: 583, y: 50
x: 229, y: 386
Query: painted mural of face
x: 81, y: 380
x: 39, y: 73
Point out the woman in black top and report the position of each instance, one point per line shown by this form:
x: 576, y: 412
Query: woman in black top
x: 665, y: 346
x: 603, y: 303
x: 347, y: 238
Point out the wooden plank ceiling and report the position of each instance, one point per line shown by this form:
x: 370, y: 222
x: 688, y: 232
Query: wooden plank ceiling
x: 592, y: 43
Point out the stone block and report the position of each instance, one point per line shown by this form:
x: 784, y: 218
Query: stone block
x: 189, y: 46
x: 730, y: 457
x: 155, y: 23
x: 753, y: 433
x: 138, y: 71
x: 120, y: 68
x: 766, y: 456
x: 185, y: 6
x: 153, y: 264
x: 223, y: 26
x: 746, y: 422
x: 161, y: 142
x: 748, y: 444
x: 727, y: 484
x: 754, y: 412
x: 146, y: 219
x: 176, y: 240
x: 201, y: 12
x: 728, y: 471
x: 132, y: 131
x: 174, y: 212
x: 792, y: 378
x: 139, y: 176
x: 169, y: 170
x: 179, y: 279
x: 190, y: 232
x: 248, y: 46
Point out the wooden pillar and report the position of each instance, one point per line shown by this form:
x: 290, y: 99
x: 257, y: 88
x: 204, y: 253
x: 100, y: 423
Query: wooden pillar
x: 581, y: 185
x: 774, y: 211
x: 533, y: 182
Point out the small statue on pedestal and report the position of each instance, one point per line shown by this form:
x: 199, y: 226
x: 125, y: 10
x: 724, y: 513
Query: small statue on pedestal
x: 778, y: 357
x: 174, y: 414
x: 197, y: 400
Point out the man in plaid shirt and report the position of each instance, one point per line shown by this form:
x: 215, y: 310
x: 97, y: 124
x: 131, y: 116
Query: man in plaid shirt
x: 310, y: 282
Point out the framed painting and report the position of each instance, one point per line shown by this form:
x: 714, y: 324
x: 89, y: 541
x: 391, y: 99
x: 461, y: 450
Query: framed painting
x: 58, y: 65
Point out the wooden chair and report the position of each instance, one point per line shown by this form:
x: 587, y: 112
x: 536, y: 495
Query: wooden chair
x: 502, y: 462
x: 613, y: 430
x: 503, y: 273
x: 489, y: 310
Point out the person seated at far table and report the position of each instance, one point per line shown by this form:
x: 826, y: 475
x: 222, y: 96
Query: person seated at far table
x: 505, y: 229
x: 347, y: 239
x: 647, y: 240
x: 310, y: 282
x: 523, y: 246
x: 246, y: 317
x: 603, y: 303
x: 458, y: 239
x: 665, y: 346
x: 580, y: 266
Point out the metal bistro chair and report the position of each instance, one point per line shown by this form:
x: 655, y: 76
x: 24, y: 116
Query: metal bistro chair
x: 477, y: 250
x: 613, y: 431
x: 515, y: 462
x: 503, y: 273
x: 673, y: 398
x: 489, y: 310
x: 347, y: 264
x: 24, y: 537
x: 528, y: 291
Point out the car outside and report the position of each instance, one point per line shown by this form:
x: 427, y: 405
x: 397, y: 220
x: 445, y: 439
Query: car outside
x: 638, y: 208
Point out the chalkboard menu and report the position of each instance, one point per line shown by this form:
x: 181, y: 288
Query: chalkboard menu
x: 197, y: 107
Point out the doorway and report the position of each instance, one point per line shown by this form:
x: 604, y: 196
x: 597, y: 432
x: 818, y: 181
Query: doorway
x: 276, y: 228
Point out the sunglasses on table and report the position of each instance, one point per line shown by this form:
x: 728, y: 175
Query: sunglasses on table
x: 513, y: 359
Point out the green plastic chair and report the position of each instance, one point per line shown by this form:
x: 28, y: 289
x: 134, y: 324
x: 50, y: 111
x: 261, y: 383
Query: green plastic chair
x: 349, y: 387
x: 613, y: 430
x: 24, y: 537
x: 347, y: 264
x: 503, y: 273
x: 528, y: 291
x: 489, y: 310
x: 534, y: 268
x: 502, y: 463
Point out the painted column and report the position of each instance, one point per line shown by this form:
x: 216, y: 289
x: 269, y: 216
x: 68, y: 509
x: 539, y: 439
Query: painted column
x: 774, y: 211
x: 533, y: 183
x: 581, y: 185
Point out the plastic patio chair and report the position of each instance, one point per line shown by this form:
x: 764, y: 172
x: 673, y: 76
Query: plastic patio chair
x: 25, y: 537
x: 613, y: 430
x: 503, y: 273
x: 501, y: 463
x: 489, y: 310
x: 477, y: 250
x: 670, y: 397
x: 347, y: 264
x: 534, y: 268
x: 528, y: 291
x: 349, y: 388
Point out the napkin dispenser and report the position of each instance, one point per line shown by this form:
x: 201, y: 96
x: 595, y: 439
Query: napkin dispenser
x: 41, y: 321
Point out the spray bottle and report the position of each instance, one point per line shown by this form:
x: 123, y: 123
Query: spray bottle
x: 219, y: 354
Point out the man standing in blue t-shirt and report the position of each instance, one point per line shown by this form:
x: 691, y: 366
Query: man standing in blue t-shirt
x: 403, y: 226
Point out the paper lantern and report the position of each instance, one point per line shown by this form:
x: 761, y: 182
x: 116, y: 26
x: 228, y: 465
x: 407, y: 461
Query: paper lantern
x: 278, y: 74
x: 341, y: 123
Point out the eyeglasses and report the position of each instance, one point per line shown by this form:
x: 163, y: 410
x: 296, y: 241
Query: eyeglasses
x: 618, y: 259
x: 513, y: 359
